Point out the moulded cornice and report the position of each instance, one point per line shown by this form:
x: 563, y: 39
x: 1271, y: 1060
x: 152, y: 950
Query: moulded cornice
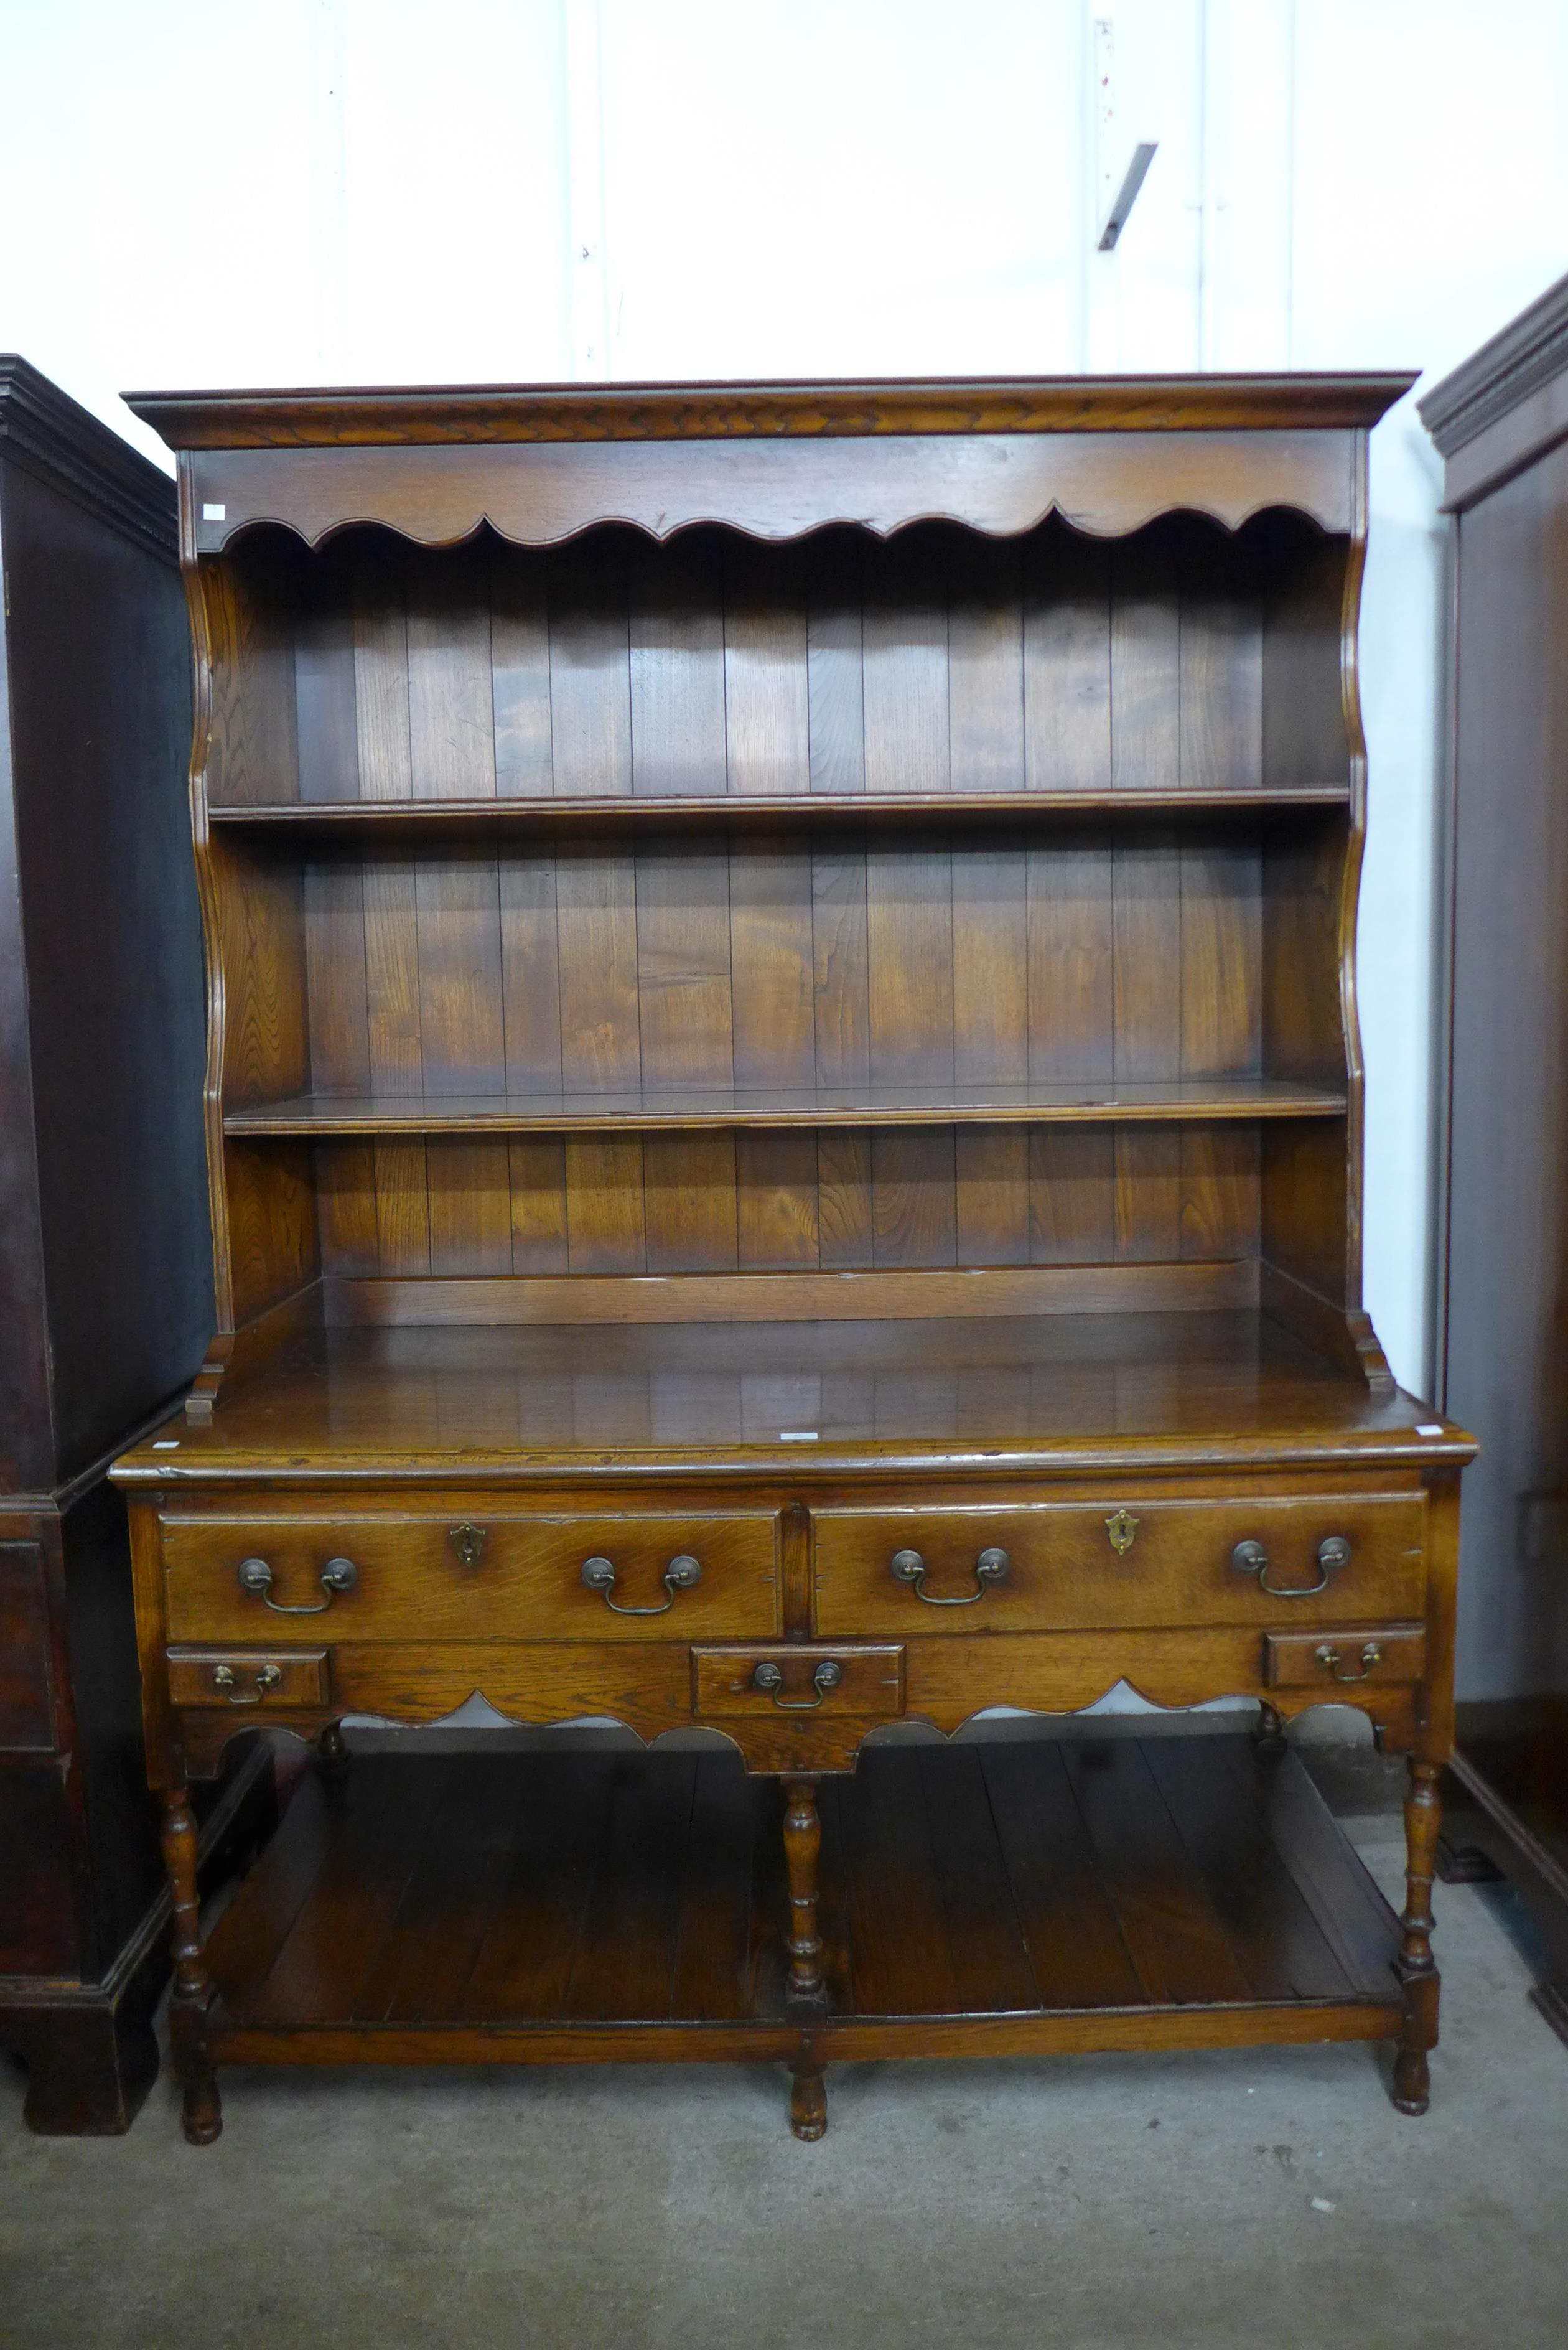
x: 674, y: 411
x: 58, y: 440
x: 1530, y: 350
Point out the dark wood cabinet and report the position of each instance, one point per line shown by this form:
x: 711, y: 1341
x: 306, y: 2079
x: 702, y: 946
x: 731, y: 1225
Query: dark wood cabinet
x: 783, y: 1110
x: 1501, y: 424
x: 105, y: 1270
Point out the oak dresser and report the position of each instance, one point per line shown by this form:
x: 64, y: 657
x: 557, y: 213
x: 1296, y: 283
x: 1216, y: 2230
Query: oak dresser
x: 784, y: 1116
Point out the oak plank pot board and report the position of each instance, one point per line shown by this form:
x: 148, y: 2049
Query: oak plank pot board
x: 783, y: 1113
x: 106, y: 1295
x: 1500, y: 421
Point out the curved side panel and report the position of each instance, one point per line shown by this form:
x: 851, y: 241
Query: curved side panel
x: 539, y: 493
x: 1374, y: 1362
x: 199, y: 1402
x: 243, y: 746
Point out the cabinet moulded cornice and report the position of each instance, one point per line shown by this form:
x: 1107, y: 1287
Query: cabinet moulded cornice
x: 426, y: 416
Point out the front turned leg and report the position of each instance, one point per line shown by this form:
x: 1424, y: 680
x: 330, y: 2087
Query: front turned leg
x: 803, y: 1844
x: 808, y: 2097
x: 192, y: 1992
x: 1423, y: 1818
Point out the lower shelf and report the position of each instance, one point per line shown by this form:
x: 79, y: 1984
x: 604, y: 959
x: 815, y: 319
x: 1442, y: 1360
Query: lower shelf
x: 1005, y: 1898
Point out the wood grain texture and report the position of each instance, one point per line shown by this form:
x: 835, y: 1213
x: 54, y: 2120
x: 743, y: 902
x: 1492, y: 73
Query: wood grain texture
x: 541, y: 493
x: 720, y: 668
x: 611, y: 1892
x: 240, y: 420
x: 987, y: 980
x: 1101, y: 1374
x: 764, y: 1198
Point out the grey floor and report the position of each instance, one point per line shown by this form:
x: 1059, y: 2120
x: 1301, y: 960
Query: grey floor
x: 1251, y: 2199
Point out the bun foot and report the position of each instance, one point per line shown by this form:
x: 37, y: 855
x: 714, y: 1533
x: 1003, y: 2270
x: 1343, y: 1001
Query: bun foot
x: 201, y: 2114
x: 808, y: 2101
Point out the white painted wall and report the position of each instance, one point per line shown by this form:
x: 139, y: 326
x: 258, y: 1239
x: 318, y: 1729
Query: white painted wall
x: 222, y: 192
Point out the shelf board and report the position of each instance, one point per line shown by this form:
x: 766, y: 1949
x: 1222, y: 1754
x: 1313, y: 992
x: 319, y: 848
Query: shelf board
x: 636, y: 1111
x: 1114, y: 1892
x: 348, y: 820
x: 405, y: 1378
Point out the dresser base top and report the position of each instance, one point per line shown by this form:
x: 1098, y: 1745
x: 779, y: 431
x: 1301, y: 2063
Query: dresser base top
x: 795, y: 1400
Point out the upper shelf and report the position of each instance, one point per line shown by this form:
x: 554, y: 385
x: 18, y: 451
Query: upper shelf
x: 733, y: 812
x: 639, y: 1111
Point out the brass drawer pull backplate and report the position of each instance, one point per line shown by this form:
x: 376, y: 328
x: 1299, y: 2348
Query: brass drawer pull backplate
x: 268, y: 1678
x: 337, y: 1575
x: 1333, y: 1553
x: 908, y: 1567
x: 770, y: 1679
x: 683, y: 1574
x: 1328, y: 1657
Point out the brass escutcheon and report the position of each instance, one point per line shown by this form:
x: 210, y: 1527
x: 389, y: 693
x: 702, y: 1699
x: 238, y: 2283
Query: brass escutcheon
x: 468, y: 1541
x: 1122, y: 1528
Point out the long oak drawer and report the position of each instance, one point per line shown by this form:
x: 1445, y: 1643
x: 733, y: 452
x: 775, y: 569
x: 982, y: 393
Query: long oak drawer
x: 1117, y: 1566
x: 369, y: 1576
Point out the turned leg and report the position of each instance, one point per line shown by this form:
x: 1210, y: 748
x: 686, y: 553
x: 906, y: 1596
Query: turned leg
x: 808, y: 2097
x: 332, y: 1755
x: 1423, y: 1818
x: 192, y: 1989
x: 803, y: 1844
x: 1268, y: 1726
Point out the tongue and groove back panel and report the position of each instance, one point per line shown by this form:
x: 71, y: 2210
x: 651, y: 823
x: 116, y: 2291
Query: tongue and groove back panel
x: 934, y: 661
x: 1100, y: 948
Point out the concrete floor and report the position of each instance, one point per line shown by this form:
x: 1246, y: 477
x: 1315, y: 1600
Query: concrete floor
x: 1258, y: 2198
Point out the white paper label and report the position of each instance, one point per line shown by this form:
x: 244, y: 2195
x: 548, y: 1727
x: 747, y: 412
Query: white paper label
x: 166, y: 1444
x: 1431, y: 1428
x: 797, y: 1436
x: 214, y: 513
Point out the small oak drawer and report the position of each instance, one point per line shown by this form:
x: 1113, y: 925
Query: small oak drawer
x: 1120, y: 1563
x: 795, y: 1677
x: 475, y: 1574
x: 247, y: 1676
x: 1319, y: 1659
